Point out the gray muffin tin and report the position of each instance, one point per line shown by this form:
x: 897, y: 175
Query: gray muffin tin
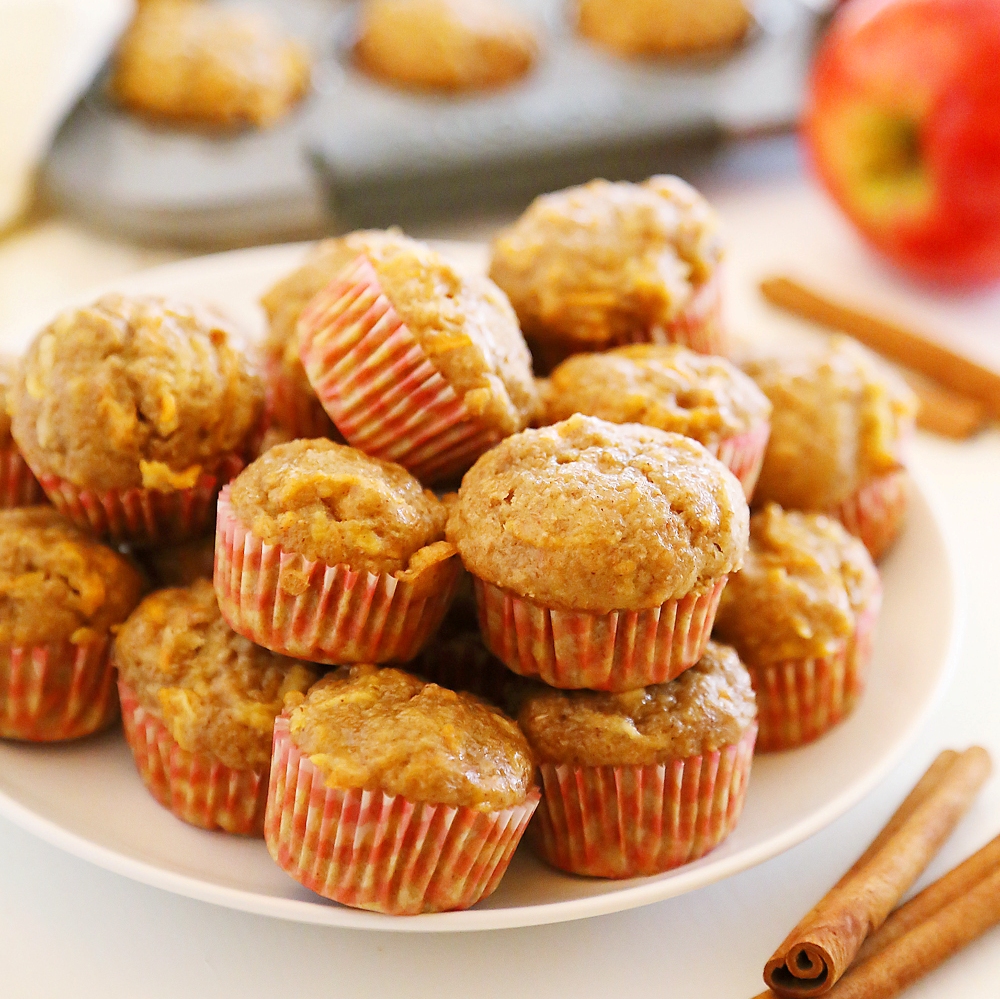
x: 361, y: 153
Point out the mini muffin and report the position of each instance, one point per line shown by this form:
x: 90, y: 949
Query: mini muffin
x: 63, y: 595
x: 18, y: 487
x: 415, y: 360
x: 445, y: 44
x: 325, y: 554
x: 672, y: 388
x: 663, y: 27
x: 641, y: 782
x: 599, y: 550
x: 199, y: 703
x: 133, y: 412
x: 604, y: 264
x: 391, y: 794
x: 208, y: 66
x: 839, y: 430
x: 180, y: 565
x: 802, y: 614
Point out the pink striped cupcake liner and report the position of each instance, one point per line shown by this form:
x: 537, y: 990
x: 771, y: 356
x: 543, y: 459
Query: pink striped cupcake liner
x: 379, y: 386
x: 325, y: 613
x: 292, y: 406
x: 383, y: 852
x: 144, y: 517
x: 743, y: 455
x: 56, y: 691
x: 798, y: 700
x: 18, y: 486
x: 621, y: 650
x: 628, y: 821
x: 196, y: 787
x: 876, y: 512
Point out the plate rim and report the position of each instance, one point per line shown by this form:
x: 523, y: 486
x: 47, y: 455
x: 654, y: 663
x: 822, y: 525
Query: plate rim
x: 646, y: 892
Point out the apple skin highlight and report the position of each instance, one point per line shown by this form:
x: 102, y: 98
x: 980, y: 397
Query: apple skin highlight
x: 902, y: 126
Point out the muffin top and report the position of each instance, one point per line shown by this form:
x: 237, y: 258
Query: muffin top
x: 214, y: 690
x: 595, y: 516
x: 445, y: 44
x: 201, y: 64
x: 386, y: 730
x: 134, y: 392
x: 710, y: 705
x: 333, y: 503
x: 594, y: 264
x: 57, y: 583
x: 838, y: 421
x: 669, y: 387
x: 464, y: 324
x: 8, y: 370
x: 803, y: 584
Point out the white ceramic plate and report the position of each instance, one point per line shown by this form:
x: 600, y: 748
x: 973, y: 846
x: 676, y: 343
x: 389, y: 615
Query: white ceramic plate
x: 87, y: 799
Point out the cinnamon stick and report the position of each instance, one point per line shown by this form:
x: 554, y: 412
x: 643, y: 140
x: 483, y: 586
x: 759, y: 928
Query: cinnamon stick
x: 819, y: 950
x: 911, y: 349
x: 945, y: 412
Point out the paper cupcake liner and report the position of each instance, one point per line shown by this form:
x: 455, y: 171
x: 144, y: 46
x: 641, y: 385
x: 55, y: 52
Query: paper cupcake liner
x: 291, y: 406
x: 798, y: 700
x: 196, y: 787
x: 875, y: 513
x: 622, y: 650
x: 743, y: 455
x: 379, y: 386
x: 623, y: 822
x: 18, y: 486
x: 56, y: 691
x: 324, y: 613
x: 381, y: 852
x: 144, y: 517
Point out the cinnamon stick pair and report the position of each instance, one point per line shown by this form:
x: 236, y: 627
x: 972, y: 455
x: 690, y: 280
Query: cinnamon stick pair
x: 851, y: 922
x: 957, y: 395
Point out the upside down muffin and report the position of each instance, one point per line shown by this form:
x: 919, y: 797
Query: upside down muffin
x: 599, y: 550
x: 327, y: 554
x: 199, y: 703
x: 638, y: 782
x: 62, y: 594
x: 604, y: 264
x: 801, y: 614
x: 672, y: 388
x: 381, y: 755
x: 840, y: 425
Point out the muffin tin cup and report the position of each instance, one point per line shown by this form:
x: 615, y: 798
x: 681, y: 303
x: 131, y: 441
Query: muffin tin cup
x: 292, y: 407
x: 798, y: 700
x: 378, y: 385
x: 876, y: 512
x: 743, y: 455
x: 56, y: 691
x: 383, y: 852
x: 324, y: 613
x: 621, y: 650
x: 144, y: 517
x: 196, y: 787
x: 18, y: 486
x: 628, y: 821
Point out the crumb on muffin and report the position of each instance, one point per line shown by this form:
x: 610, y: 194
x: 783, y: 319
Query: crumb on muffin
x: 386, y: 730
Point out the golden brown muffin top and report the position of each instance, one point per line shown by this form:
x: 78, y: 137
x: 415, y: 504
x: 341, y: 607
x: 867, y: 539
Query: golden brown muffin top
x: 596, y: 516
x: 180, y: 564
x: 215, y: 691
x: 595, y: 264
x: 709, y: 706
x: 838, y: 421
x: 803, y: 584
x: 205, y: 65
x: 386, y: 730
x: 8, y: 369
x: 332, y: 503
x: 57, y: 583
x: 134, y: 392
x: 669, y: 387
x: 445, y: 44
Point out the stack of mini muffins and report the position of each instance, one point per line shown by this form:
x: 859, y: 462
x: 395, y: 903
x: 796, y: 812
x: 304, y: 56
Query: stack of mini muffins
x: 572, y: 582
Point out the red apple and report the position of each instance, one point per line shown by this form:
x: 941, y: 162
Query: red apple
x: 903, y: 126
